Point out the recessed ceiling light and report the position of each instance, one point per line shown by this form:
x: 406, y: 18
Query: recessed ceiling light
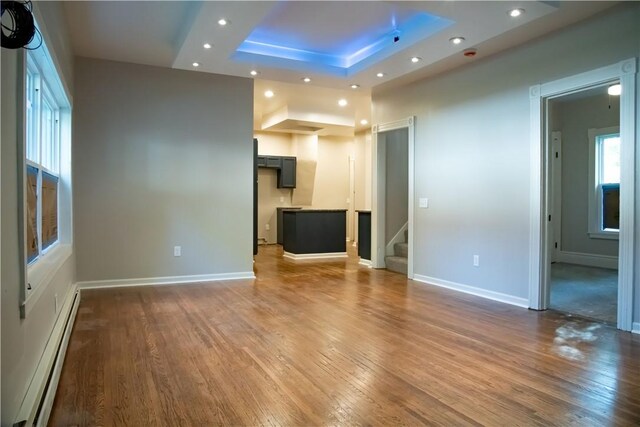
x: 222, y: 22
x: 355, y: 86
x: 269, y: 94
x: 364, y: 122
x: 207, y: 46
x: 615, y: 90
x: 415, y: 59
x: 380, y: 75
x: 456, y: 40
x: 514, y: 13
x: 253, y: 72
x: 343, y: 102
x: 196, y: 64
x: 306, y: 79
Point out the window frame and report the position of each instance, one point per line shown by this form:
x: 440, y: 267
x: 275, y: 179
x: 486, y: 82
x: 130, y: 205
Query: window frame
x: 595, y: 230
x: 35, y: 129
x: 43, y: 270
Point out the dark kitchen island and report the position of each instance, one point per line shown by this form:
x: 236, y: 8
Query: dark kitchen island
x: 315, y: 233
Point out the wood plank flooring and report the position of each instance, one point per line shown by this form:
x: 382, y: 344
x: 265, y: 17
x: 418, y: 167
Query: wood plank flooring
x: 333, y: 343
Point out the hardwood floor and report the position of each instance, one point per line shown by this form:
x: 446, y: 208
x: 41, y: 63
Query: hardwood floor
x: 332, y: 343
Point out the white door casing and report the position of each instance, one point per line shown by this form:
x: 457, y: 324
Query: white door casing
x: 539, y: 260
x: 378, y: 181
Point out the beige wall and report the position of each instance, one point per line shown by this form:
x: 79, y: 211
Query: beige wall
x: 269, y: 196
x: 363, y: 170
x: 24, y: 340
x: 162, y: 158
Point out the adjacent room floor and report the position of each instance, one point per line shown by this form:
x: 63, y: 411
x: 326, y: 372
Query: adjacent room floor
x: 333, y: 343
x: 585, y: 291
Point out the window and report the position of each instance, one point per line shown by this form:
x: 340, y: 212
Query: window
x: 46, y: 190
x: 43, y: 159
x: 604, y: 182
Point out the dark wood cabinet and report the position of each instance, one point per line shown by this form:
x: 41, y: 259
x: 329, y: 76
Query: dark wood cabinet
x: 364, y: 234
x: 286, y: 167
x: 315, y: 232
x: 287, y: 173
x: 279, y: 223
x: 274, y: 162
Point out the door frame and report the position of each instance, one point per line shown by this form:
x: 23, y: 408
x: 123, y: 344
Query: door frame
x: 556, y: 182
x: 378, y: 181
x: 539, y: 245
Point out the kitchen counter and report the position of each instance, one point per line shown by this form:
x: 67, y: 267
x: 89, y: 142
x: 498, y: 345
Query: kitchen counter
x: 314, y: 233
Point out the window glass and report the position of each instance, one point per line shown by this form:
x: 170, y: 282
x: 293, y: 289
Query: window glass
x: 610, y: 159
x: 47, y: 137
x: 32, y: 140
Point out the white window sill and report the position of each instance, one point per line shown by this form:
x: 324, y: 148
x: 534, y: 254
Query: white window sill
x: 606, y: 235
x: 42, y: 271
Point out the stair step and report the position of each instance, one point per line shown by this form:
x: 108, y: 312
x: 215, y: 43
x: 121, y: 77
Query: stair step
x: 401, y: 249
x: 397, y: 264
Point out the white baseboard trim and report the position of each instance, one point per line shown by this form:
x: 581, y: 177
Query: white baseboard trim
x: 496, y: 296
x: 365, y: 262
x: 170, y: 280
x: 323, y: 255
x: 590, y: 260
x: 38, y: 401
x: 636, y: 328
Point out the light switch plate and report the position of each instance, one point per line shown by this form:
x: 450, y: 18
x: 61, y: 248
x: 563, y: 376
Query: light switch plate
x: 423, y: 202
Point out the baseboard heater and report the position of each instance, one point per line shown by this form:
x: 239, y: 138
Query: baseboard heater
x: 37, y: 413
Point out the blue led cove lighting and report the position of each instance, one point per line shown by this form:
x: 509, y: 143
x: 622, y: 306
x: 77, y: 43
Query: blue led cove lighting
x: 347, y: 58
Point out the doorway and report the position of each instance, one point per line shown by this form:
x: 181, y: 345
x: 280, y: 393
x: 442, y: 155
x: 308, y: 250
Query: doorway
x: 393, y: 195
x: 584, y: 145
x: 542, y: 231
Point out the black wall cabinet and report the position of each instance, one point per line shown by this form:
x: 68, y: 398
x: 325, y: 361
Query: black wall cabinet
x: 286, y: 167
x: 274, y: 162
x: 287, y: 173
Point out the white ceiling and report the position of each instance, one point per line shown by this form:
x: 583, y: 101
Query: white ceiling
x: 172, y: 34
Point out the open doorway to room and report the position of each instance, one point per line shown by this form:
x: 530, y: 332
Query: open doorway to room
x: 313, y: 154
x: 584, y: 134
x: 396, y: 200
x: 547, y: 206
x: 392, y: 214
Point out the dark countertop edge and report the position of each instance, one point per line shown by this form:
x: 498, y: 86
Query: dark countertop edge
x: 314, y: 210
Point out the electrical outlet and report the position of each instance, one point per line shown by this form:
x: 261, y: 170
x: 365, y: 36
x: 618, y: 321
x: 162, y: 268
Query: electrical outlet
x: 55, y: 302
x: 267, y: 227
x: 476, y: 260
x: 423, y: 202
x: 177, y: 251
